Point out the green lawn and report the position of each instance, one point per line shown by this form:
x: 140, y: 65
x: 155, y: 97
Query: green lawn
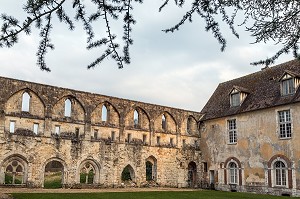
x: 146, y: 195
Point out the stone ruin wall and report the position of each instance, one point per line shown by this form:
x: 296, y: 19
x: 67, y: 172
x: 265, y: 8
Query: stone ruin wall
x: 109, y: 146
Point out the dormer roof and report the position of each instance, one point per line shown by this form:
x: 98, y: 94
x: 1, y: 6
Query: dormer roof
x: 288, y: 74
x: 236, y: 89
x: 263, y: 88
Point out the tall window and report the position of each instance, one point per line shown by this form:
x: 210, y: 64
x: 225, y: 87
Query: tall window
x: 287, y: 86
x: 25, y: 102
x: 104, y: 113
x: 285, y: 124
x: 163, y: 122
x: 232, y: 131
x: 57, y: 130
x: 136, y: 118
x: 235, y: 99
x: 233, y: 173
x: 12, y: 125
x: 68, y: 108
x: 35, y: 128
x: 280, y: 173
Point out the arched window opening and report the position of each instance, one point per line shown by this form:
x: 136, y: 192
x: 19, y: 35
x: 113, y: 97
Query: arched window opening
x: 14, y: 173
x: 189, y: 125
x: 87, y: 174
x: 233, y: 173
x: 53, y: 176
x: 104, y: 113
x: 136, y: 118
x: 25, y: 102
x: 163, y: 122
x: 280, y: 173
x: 192, y: 174
x: 151, y: 169
x: 68, y: 108
x: 128, y: 174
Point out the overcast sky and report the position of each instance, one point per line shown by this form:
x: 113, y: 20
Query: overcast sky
x: 180, y: 69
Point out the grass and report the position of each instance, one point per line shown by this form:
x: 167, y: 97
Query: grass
x: 53, y: 180
x: 146, y: 195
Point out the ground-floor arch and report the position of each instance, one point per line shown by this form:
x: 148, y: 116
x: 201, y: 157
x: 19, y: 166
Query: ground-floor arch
x: 15, y: 170
x: 54, y: 174
x: 192, y: 174
x: 128, y: 174
x: 151, y: 169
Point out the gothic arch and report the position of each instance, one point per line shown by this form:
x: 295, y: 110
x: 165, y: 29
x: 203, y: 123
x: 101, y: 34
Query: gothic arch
x: 191, y: 125
x: 128, y: 174
x: 151, y: 168
x: 144, y: 119
x: 88, y: 172
x: 113, y: 115
x: 171, y: 124
x: 77, y: 108
x: 14, y: 103
x: 14, y: 170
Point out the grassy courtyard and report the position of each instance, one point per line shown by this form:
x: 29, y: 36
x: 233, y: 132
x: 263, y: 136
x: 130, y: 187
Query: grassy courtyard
x: 146, y: 195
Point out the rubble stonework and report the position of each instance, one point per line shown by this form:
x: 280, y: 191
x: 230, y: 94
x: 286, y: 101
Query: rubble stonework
x: 89, y: 138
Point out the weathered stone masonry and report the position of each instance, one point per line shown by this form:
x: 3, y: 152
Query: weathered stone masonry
x: 40, y: 124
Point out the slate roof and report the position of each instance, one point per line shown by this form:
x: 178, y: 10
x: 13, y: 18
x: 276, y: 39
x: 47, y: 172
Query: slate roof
x: 263, y: 90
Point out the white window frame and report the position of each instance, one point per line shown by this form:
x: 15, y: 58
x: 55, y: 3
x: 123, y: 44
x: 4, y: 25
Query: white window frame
x: 233, y: 173
x: 284, y: 124
x: 232, y: 131
x: 273, y: 174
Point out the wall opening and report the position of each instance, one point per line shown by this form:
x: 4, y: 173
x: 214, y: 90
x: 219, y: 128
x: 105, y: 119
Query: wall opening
x: 192, y: 175
x: 53, y: 176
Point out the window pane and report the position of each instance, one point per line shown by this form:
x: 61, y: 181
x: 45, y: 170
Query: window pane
x: 235, y: 99
x: 36, y: 128
x: 136, y: 118
x: 68, y: 107
x: 104, y: 113
x: 285, y: 125
x: 25, y: 102
x: 12, y: 126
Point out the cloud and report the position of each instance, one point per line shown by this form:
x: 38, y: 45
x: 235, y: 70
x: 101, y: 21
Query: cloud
x: 179, y: 69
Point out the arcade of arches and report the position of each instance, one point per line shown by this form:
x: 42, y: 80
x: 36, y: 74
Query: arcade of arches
x: 54, y: 137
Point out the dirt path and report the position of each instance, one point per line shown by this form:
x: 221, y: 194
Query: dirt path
x: 25, y: 190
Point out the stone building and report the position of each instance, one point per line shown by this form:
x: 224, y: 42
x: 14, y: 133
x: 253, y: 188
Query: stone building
x: 250, y: 132
x: 94, y: 140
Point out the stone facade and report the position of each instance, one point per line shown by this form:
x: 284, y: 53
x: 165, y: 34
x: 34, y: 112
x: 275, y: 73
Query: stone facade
x: 42, y: 125
x: 251, y: 143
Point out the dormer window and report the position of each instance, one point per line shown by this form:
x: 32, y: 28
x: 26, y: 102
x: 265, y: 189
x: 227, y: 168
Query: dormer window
x: 289, y: 83
x: 235, y: 99
x: 237, y: 96
x: 288, y: 86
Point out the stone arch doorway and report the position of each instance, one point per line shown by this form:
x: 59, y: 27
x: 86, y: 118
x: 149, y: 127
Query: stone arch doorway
x: 151, y: 169
x: 128, y: 174
x: 54, y: 175
x: 192, y: 175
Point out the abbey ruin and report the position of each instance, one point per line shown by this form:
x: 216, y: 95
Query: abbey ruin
x: 92, y: 139
x: 245, y: 139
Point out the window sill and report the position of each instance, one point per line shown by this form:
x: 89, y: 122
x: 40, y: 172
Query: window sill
x: 285, y: 138
x: 233, y: 143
